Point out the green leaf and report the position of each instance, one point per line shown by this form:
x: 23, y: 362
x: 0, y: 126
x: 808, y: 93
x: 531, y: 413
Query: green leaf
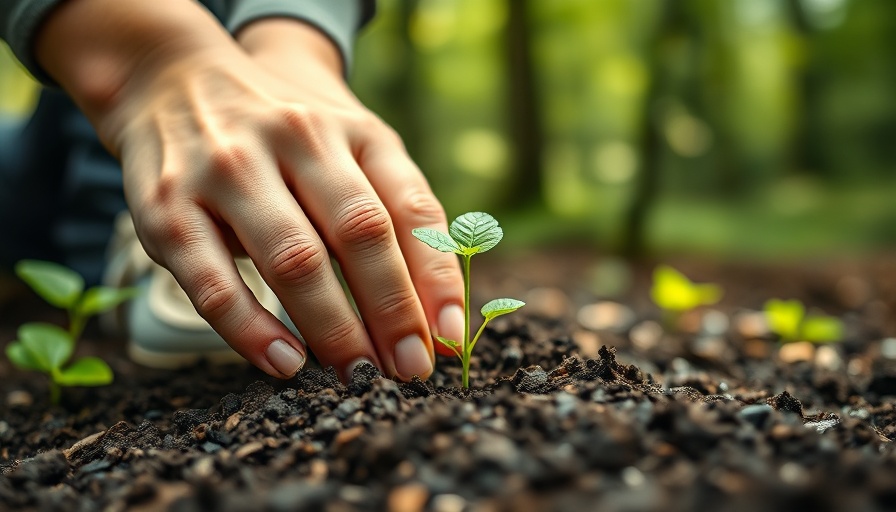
x: 784, y: 317
x: 87, y: 371
x: 56, y: 284
x: 20, y: 357
x: 475, y: 232
x: 448, y: 343
x: 498, y: 307
x: 48, y: 345
x: 673, y: 291
x: 103, y: 298
x: 822, y: 329
x: 436, y: 239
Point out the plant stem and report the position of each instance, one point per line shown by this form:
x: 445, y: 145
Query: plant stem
x: 467, y: 349
x: 55, y: 392
x: 76, y: 323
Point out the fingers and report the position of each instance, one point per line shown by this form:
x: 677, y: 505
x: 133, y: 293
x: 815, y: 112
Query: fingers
x: 204, y: 268
x: 405, y: 193
x: 358, y: 229
x: 292, y: 259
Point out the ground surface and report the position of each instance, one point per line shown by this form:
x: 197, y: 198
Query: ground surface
x: 578, y: 404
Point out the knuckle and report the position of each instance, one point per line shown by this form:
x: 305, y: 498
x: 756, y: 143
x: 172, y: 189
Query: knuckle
x: 339, y: 334
x: 396, y: 304
x: 299, y: 120
x: 442, y: 273
x: 363, y: 224
x: 297, y: 260
x: 233, y: 160
x: 215, y: 296
x: 424, y: 208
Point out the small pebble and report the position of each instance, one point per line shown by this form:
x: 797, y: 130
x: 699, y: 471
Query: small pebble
x: 448, y: 503
x: 756, y: 414
x: 408, y: 498
x: 633, y: 477
x: 605, y: 315
x: 19, y: 398
x: 715, y: 323
x: 757, y: 349
x: 751, y: 324
x: 248, y: 449
x: 793, y: 473
x: 797, y: 351
x: 822, y: 425
x: 888, y: 348
x: 710, y: 347
x: 827, y: 357
x: 646, y: 335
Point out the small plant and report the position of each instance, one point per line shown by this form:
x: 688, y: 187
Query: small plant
x: 674, y: 293
x: 788, y: 319
x: 47, y: 348
x: 470, y: 234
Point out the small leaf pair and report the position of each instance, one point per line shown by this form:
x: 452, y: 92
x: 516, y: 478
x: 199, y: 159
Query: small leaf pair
x: 469, y: 234
x: 46, y: 348
x: 673, y: 291
x: 788, y: 319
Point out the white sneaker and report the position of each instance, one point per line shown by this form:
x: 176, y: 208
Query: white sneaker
x: 162, y: 326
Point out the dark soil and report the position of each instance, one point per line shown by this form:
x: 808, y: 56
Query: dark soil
x: 580, y: 404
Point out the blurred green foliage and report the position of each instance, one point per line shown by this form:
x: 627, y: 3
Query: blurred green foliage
x: 747, y: 127
x: 750, y: 127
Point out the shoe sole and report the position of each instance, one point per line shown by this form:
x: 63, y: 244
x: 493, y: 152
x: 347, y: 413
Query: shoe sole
x: 178, y: 360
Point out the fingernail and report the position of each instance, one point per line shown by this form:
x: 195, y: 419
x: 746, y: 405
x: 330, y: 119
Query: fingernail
x: 286, y: 359
x: 350, y: 369
x: 411, y: 357
x: 451, y: 323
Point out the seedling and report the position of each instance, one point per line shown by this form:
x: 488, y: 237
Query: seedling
x: 788, y: 319
x: 470, y: 234
x: 47, y: 348
x: 675, y: 294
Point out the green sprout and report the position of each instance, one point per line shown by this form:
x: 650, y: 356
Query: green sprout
x: 674, y: 293
x: 788, y: 319
x: 471, y: 233
x: 47, y: 348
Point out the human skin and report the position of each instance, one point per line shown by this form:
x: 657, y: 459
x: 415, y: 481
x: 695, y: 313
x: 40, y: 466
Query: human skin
x: 256, y: 146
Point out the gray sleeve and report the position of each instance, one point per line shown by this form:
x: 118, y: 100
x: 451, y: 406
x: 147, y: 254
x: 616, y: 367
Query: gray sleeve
x: 339, y: 20
x: 19, y: 20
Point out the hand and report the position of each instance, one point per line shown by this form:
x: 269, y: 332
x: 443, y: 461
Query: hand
x: 221, y: 156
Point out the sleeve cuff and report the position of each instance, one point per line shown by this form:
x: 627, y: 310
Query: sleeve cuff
x: 19, y: 25
x: 337, y: 19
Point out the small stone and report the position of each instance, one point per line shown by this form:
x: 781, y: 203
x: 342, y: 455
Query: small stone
x: 756, y: 414
x: 448, y: 503
x: 408, y: 498
x: 646, y: 335
x: 714, y: 323
x: 605, y: 315
x: 232, y: 422
x: 530, y: 379
x: 248, y: 449
x: 19, y: 398
x: 712, y: 348
x: 888, y: 348
x: 204, y: 467
x: 751, y: 324
x: 633, y: 477
x: 547, y: 302
x: 793, y: 474
x: 822, y: 425
x: 797, y: 351
x: 828, y: 358
x: 318, y: 470
x: 346, y: 436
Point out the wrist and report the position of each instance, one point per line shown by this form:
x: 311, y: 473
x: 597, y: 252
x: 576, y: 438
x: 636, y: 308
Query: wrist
x: 291, y: 44
x: 95, y: 48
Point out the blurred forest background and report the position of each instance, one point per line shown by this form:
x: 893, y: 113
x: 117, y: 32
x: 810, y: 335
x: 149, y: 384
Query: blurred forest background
x: 744, y: 128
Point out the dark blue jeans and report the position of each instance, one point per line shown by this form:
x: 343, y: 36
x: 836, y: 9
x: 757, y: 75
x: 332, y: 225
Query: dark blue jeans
x: 59, y: 190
